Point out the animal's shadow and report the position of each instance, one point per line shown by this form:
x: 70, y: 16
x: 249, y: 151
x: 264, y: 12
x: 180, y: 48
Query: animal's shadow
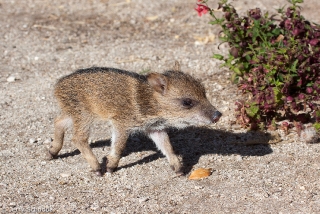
x: 191, y: 144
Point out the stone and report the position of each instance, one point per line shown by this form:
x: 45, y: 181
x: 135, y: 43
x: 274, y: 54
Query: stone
x: 65, y: 174
x: 11, y: 79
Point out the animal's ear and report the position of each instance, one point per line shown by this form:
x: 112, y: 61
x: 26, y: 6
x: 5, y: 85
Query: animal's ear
x: 176, y: 66
x: 158, y: 82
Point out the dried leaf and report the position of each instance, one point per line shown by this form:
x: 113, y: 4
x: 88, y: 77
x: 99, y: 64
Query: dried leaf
x: 202, y: 40
x: 280, y: 38
x: 200, y: 173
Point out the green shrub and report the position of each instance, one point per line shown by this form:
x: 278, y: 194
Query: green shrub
x: 275, y: 64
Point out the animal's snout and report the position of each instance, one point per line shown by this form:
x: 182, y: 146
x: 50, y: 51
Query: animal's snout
x: 216, y: 116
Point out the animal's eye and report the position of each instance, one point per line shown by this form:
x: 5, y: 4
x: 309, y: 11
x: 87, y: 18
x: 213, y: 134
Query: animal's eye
x: 187, y: 103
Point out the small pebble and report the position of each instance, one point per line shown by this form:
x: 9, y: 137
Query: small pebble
x: 239, y: 158
x: 198, y: 187
x: 219, y: 87
x: 132, y: 21
x: 47, y: 141
x: 144, y: 199
x: 3, y: 184
x: 11, y: 79
x: 65, y: 174
x: 302, y: 188
x: 43, y: 163
x: 32, y: 140
x: 12, y: 204
x: 94, y: 207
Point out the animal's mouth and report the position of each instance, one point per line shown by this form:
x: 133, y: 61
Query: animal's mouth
x: 216, y: 119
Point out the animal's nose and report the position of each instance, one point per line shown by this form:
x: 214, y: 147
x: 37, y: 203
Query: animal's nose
x: 216, y: 116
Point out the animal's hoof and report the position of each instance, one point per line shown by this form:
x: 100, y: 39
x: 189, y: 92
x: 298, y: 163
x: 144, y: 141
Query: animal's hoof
x: 98, y: 173
x: 110, y: 170
x: 179, y: 173
x: 50, y: 156
x: 177, y: 169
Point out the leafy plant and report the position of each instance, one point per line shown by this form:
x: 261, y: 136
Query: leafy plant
x: 276, y: 64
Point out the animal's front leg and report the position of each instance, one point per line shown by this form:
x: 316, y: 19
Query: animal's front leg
x: 162, y: 141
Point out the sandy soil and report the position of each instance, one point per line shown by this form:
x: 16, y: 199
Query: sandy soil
x: 43, y: 40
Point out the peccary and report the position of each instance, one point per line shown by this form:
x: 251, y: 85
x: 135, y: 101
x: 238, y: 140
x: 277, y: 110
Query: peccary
x: 130, y: 102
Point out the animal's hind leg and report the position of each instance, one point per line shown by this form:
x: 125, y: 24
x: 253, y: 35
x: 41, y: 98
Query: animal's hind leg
x: 62, y: 122
x: 80, y: 140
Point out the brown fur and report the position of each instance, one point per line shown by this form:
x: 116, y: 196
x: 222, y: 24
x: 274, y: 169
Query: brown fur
x: 131, y: 102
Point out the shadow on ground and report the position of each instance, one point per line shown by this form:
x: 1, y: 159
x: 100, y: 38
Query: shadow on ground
x: 192, y: 143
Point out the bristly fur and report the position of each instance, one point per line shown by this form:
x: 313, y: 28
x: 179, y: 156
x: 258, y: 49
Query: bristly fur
x: 131, y: 102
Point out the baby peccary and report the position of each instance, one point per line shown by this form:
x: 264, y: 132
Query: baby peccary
x: 131, y: 102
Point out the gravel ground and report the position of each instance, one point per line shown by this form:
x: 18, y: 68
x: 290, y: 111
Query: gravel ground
x: 43, y: 40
